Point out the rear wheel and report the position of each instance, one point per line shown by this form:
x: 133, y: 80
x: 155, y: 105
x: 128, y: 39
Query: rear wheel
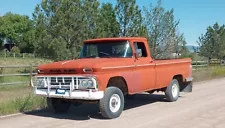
x: 58, y: 105
x: 173, y: 91
x: 112, y: 104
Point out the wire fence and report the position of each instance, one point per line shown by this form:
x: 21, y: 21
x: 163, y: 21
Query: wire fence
x: 16, y: 55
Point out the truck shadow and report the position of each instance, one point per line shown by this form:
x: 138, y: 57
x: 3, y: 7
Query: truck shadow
x: 88, y: 111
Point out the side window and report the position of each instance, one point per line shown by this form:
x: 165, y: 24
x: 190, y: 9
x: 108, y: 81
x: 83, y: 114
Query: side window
x: 140, y: 46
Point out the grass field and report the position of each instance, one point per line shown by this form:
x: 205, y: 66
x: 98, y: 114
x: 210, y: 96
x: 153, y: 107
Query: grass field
x: 20, y: 98
x: 18, y: 62
x: 208, y: 73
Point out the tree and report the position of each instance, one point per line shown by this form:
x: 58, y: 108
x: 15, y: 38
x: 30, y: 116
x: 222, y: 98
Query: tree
x: 212, y: 43
x: 108, y: 25
x: 130, y: 18
x: 90, y: 8
x: 62, y: 25
x: 60, y: 28
x: 162, y: 28
x: 18, y: 30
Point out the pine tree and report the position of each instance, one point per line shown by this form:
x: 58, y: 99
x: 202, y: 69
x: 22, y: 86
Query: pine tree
x: 129, y: 17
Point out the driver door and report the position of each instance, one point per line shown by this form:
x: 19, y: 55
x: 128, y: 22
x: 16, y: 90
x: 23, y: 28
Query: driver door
x: 144, y: 67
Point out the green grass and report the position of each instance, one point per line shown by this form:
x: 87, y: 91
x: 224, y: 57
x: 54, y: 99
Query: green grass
x: 208, y: 73
x: 22, y: 104
x: 5, y: 61
x: 18, y: 98
x: 218, y: 72
x: 8, y: 79
x: 18, y: 61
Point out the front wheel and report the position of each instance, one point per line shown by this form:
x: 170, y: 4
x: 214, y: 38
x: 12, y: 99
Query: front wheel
x: 173, y: 91
x: 112, y: 104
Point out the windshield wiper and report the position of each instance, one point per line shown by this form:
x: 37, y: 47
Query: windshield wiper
x: 92, y: 56
x: 107, y: 54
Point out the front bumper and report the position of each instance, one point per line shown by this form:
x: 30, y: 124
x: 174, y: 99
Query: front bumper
x: 82, y: 95
x: 67, y: 87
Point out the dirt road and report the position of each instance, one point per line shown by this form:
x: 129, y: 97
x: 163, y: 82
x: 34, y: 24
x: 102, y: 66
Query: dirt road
x: 203, y: 108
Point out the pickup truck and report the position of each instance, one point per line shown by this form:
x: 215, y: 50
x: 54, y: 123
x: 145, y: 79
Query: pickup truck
x: 109, y: 70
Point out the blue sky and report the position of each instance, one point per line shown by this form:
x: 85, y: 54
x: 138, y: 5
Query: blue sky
x: 194, y: 15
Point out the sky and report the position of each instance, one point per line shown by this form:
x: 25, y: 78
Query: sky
x: 194, y: 15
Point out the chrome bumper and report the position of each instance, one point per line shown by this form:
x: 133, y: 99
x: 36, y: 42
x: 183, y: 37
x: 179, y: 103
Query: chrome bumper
x: 67, y: 87
x: 83, y: 95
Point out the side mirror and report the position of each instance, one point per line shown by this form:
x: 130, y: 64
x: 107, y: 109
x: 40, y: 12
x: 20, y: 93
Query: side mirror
x: 139, y: 53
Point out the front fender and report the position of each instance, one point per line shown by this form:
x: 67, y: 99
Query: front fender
x: 132, y: 80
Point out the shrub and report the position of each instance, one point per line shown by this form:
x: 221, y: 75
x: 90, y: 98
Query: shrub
x: 15, y: 49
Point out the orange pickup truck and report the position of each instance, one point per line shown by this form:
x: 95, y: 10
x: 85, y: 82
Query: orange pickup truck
x: 108, y: 70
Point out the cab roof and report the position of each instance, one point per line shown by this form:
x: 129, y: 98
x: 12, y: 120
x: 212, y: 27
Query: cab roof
x: 115, y: 39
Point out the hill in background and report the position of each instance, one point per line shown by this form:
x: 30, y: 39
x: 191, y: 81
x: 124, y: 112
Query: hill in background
x: 192, y: 48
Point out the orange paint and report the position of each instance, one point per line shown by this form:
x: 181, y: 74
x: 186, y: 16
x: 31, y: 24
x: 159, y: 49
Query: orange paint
x: 141, y: 74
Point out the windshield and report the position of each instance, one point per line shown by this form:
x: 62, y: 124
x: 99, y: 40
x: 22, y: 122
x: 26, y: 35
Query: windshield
x: 112, y: 49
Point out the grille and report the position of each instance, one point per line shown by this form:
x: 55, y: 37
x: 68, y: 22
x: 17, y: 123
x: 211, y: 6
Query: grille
x: 64, y: 82
x: 66, y: 71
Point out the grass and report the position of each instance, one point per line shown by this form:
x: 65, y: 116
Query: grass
x: 14, y: 79
x: 209, y: 73
x: 4, y: 61
x: 18, y: 98
x: 15, y: 62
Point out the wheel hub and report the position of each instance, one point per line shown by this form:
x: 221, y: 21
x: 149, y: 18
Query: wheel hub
x: 115, y: 103
x: 175, y: 90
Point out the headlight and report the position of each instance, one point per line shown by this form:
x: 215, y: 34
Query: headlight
x: 84, y: 83
x: 39, y: 82
x: 90, y: 84
x: 87, y: 84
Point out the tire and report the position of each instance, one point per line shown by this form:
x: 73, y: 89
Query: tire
x: 173, y: 91
x: 58, y: 105
x: 76, y: 104
x: 112, y: 104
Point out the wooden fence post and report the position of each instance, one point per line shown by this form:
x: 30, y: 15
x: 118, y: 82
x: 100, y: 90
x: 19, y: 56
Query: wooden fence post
x: 1, y: 72
x: 31, y: 74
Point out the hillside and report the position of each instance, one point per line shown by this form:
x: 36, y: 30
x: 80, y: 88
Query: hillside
x: 192, y: 48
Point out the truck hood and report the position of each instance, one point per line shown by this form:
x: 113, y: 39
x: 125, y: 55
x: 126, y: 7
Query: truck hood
x: 78, y: 65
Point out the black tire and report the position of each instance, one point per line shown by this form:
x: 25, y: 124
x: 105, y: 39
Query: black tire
x: 104, y: 104
x: 77, y: 104
x: 173, y: 91
x: 58, y: 105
